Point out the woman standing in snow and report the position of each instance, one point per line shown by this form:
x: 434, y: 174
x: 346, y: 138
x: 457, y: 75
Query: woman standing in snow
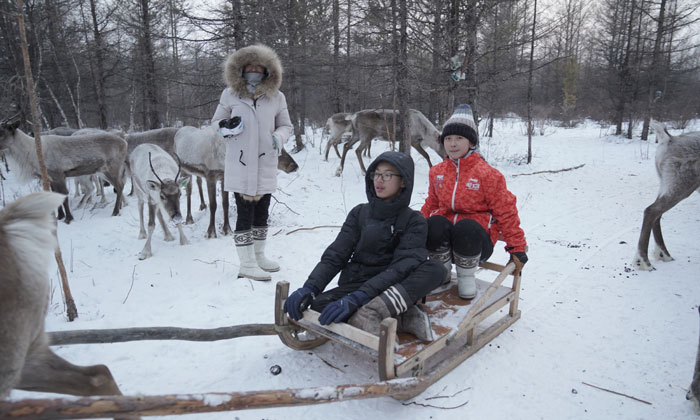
x: 468, y: 206
x: 252, y: 115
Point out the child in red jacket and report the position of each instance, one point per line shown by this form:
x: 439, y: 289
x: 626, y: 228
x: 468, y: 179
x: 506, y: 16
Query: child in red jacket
x: 468, y: 206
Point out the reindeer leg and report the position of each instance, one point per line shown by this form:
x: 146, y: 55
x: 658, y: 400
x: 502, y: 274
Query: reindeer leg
x: 211, y: 190
x: 347, y: 147
x: 59, y: 186
x: 118, y: 183
x: 168, y: 236
x: 328, y: 148
x: 188, y: 190
x: 142, y: 230
x: 146, y: 251
x: 224, y: 202
x: 652, y: 214
x: 44, y: 371
x: 202, y: 203
x: 423, y: 153
x: 358, y: 152
x: 183, y: 238
x: 660, y: 252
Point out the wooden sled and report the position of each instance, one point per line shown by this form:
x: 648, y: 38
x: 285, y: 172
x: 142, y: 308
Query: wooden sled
x: 461, y: 328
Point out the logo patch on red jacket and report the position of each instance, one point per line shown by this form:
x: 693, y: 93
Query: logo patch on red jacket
x: 439, y: 180
x: 473, y: 184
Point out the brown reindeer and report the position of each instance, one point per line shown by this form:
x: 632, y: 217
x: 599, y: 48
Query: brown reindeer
x: 337, y: 126
x: 375, y: 123
x: 678, y: 167
x: 26, y: 361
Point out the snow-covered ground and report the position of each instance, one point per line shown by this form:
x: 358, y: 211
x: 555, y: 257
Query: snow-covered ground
x: 587, y: 317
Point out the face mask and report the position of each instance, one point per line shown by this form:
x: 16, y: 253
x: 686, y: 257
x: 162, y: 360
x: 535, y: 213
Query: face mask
x: 253, y: 78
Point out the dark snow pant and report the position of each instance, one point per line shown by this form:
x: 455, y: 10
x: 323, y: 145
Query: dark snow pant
x: 251, y: 213
x: 399, y: 297
x: 467, y: 237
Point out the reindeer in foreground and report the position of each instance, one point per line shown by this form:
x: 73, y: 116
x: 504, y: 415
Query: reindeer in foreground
x: 203, y: 152
x: 65, y: 157
x: 678, y: 167
x: 26, y: 361
x: 147, y: 161
x: 375, y: 123
x: 337, y: 126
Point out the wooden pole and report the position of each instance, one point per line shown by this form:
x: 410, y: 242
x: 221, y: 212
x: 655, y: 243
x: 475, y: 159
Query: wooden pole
x: 120, y: 335
x: 162, y: 405
x: 71, y: 310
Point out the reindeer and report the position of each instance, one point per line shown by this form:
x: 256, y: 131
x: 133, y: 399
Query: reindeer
x: 203, y: 152
x: 162, y: 194
x: 678, y: 167
x: 165, y: 138
x: 66, y: 157
x: 337, y: 127
x: 26, y: 361
x: 373, y: 123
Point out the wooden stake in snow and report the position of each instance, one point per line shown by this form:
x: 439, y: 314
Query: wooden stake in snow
x: 552, y: 171
x: 71, y: 310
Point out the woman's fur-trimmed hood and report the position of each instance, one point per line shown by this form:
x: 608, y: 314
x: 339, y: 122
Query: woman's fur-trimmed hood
x: 254, y: 54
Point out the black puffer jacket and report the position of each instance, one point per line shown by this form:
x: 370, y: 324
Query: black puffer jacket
x: 370, y: 248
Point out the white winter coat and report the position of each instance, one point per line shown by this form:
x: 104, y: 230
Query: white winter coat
x: 251, y: 156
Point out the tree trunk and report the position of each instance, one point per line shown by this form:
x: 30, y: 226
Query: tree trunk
x: 655, y: 71
x: 530, y: 127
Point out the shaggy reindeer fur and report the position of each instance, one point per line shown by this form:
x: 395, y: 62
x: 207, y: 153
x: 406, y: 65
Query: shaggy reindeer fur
x: 376, y: 123
x: 26, y: 362
x: 65, y: 157
x: 678, y: 166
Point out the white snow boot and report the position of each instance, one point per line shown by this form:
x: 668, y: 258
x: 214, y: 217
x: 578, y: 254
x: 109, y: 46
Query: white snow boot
x: 246, y: 255
x: 466, y: 275
x: 259, y: 237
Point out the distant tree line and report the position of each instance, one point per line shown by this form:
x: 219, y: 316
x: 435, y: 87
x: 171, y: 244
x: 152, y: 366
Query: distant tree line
x: 141, y: 64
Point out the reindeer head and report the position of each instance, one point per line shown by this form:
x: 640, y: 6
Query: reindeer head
x: 7, y: 131
x: 166, y: 193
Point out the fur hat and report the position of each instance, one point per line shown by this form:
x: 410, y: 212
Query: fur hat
x: 254, y: 54
x: 462, y: 124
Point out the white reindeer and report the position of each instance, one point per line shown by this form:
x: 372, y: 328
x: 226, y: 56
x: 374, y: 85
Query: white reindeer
x: 678, y: 167
x: 376, y: 123
x: 26, y: 361
x: 65, y: 157
x: 155, y: 176
x: 202, y: 152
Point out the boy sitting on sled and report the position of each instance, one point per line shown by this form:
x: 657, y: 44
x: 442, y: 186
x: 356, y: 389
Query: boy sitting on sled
x: 381, y: 256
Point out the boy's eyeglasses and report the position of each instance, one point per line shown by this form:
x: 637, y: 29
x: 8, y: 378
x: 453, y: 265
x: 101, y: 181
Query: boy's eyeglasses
x: 386, y: 176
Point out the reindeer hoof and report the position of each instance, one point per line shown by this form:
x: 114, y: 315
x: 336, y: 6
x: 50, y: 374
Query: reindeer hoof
x: 143, y: 255
x: 662, y: 255
x: 339, y: 171
x: 169, y: 238
x: 202, y: 207
x: 641, y: 264
x: 211, y: 234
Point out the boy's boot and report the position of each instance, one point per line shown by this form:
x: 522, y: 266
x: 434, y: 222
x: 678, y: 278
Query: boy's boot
x: 248, y: 266
x: 259, y: 237
x: 466, y: 275
x: 444, y: 255
x: 415, y: 321
x: 370, y: 315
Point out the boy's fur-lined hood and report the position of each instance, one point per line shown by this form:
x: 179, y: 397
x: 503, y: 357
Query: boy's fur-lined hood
x: 255, y: 54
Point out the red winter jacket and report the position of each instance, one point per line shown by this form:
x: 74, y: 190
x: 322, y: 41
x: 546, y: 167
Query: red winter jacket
x: 471, y: 189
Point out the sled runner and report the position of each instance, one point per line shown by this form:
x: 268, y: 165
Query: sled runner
x: 461, y: 327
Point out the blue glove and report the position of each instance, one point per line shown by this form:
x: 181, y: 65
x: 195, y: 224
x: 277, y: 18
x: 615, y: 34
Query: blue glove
x: 343, y: 308
x: 299, y: 301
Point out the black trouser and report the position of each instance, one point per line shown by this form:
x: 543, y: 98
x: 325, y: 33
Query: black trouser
x: 251, y: 213
x: 467, y: 237
x: 426, y: 277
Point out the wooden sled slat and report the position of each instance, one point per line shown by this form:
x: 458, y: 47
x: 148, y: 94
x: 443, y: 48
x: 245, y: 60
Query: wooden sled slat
x: 461, y: 328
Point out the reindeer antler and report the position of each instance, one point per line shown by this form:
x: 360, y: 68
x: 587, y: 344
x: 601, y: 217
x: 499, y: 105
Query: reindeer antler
x: 154, y: 171
x: 179, y: 164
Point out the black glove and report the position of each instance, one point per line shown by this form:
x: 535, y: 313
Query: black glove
x: 299, y: 301
x: 343, y: 308
x: 230, y: 123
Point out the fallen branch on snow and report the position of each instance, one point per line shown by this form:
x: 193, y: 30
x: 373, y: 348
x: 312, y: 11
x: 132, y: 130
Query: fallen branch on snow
x: 552, y: 172
x: 616, y: 393
x: 312, y: 228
